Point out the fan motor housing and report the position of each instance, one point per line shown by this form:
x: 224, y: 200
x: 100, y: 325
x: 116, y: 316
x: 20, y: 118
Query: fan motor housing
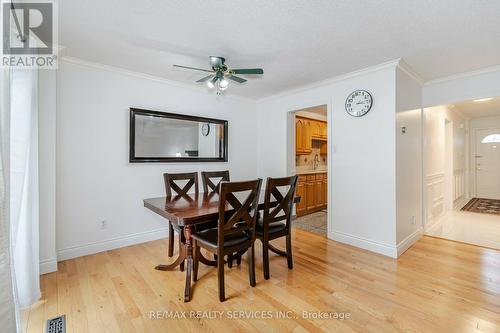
x: 217, y: 62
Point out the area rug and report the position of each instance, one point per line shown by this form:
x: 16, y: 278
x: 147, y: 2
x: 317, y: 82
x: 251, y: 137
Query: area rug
x: 486, y: 206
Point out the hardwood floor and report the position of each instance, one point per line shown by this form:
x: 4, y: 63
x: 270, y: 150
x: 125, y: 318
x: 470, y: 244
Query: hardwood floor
x: 436, y: 286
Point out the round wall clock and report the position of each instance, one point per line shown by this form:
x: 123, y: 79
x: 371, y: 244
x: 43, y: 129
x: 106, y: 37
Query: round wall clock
x: 358, y: 103
x: 205, y: 129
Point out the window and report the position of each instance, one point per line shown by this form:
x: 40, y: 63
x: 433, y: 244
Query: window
x: 492, y: 138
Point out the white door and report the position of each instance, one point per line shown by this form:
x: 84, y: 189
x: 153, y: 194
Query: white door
x: 488, y: 163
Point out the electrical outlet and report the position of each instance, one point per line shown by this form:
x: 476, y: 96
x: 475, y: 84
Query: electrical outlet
x: 104, y: 224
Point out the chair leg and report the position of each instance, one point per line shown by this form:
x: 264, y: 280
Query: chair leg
x: 230, y: 260
x: 265, y: 258
x: 251, y: 265
x: 289, y: 258
x: 196, y: 260
x: 220, y: 277
x: 181, y: 244
x: 170, y: 239
x: 238, y: 259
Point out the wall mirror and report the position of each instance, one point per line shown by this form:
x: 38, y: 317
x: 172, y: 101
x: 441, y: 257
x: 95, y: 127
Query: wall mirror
x: 169, y: 137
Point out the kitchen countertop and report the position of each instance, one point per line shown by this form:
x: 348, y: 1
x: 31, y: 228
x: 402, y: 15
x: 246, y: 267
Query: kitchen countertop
x: 310, y: 172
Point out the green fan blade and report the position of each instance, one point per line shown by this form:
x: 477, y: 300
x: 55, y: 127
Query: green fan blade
x: 248, y: 71
x: 237, y: 79
x: 194, y: 68
x: 206, y: 78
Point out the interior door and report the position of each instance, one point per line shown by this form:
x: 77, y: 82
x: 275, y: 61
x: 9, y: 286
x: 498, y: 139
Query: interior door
x: 488, y: 163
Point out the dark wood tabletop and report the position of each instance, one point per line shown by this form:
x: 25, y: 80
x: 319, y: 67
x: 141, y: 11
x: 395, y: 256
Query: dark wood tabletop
x: 192, y: 208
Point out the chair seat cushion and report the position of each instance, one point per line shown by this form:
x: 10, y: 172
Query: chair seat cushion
x: 273, y: 227
x: 209, y: 237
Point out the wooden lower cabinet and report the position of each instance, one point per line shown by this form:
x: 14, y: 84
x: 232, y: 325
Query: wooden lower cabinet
x: 300, y: 191
x: 312, y: 189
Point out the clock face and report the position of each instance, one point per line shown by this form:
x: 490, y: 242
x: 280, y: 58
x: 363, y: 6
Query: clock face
x: 205, y: 129
x: 358, y: 103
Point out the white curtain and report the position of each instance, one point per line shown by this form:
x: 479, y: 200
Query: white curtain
x: 7, y: 305
x: 24, y: 185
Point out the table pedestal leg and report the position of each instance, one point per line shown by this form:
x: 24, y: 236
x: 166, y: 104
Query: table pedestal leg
x: 188, y: 230
x: 179, y: 261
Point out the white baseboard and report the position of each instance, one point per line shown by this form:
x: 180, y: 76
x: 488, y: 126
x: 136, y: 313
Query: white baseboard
x: 460, y: 203
x: 48, y: 265
x: 367, y: 244
x: 406, y: 243
x: 110, y: 244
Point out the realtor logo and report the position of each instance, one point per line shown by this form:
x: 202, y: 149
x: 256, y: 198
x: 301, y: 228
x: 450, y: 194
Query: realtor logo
x: 29, y: 34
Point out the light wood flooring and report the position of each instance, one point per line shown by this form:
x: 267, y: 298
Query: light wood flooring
x: 436, y: 286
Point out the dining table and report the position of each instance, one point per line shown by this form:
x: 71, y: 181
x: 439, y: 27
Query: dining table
x: 187, y: 211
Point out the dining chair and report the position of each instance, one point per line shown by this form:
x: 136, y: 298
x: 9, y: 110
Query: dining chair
x: 211, y: 183
x: 208, y: 176
x: 276, y: 219
x: 235, y: 230
x: 173, y: 188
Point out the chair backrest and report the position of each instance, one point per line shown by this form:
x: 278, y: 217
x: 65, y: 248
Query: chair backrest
x: 208, y: 184
x: 171, y: 185
x: 243, y: 197
x: 279, y: 207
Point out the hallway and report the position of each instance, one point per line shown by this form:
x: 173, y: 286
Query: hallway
x: 472, y: 228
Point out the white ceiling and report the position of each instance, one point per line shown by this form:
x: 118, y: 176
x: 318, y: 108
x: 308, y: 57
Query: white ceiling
x: 297, y: 42
x: 480, y: 109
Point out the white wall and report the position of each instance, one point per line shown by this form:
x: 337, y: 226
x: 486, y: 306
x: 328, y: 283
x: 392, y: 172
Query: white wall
x: 435, y: 157
x: 96, y: 182
x: 408, y: 160
x: 361, y: 160
x: 462, y: 87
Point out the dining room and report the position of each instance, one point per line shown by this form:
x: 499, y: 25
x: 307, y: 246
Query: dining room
x: 152, y: 178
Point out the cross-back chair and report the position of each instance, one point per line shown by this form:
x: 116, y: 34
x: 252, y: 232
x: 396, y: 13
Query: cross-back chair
x: 173, y: 188
x: 208, y: 177
x: 235, y: 230
x: 276, y: 219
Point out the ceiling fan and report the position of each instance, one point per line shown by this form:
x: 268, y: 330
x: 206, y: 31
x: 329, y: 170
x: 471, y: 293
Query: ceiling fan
x: 220, y: 74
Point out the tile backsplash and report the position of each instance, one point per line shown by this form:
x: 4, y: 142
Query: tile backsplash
x: 305, y: 162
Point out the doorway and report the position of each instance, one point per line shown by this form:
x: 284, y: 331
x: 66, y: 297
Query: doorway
x: 462, y: 172
x: 308, y: 158
x: 487, y: 163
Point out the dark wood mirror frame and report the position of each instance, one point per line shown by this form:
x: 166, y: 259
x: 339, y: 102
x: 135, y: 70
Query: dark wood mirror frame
x: 223, y: 147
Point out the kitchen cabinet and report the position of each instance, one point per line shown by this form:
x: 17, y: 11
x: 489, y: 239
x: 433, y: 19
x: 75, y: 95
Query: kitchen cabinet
x: 300, y: 191
x: 316, y: 129
x: 312, y: 189
x: 307, y: 130
x: 303, y: 144
x: 323, y: 130
x: 323, y: 149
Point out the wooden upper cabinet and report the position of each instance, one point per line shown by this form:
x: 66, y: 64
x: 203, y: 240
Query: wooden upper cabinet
x: 302, y: 136
x: 299, y: 134
x: 307, y: 130
x: 316, y: 129
x: 324, y: 130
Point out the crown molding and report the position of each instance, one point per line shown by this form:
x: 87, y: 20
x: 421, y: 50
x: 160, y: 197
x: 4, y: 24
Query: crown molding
x: 335, y: 79
x: 140, y: 75
x: 482, y: 71
x: 408, y: 70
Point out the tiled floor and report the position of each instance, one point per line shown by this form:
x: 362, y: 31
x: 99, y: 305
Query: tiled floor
x: 468, y: 227
x: 315, y: 222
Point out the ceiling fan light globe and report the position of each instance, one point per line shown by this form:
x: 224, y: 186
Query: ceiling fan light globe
x: 211, y: 83
x: 223, y: 84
